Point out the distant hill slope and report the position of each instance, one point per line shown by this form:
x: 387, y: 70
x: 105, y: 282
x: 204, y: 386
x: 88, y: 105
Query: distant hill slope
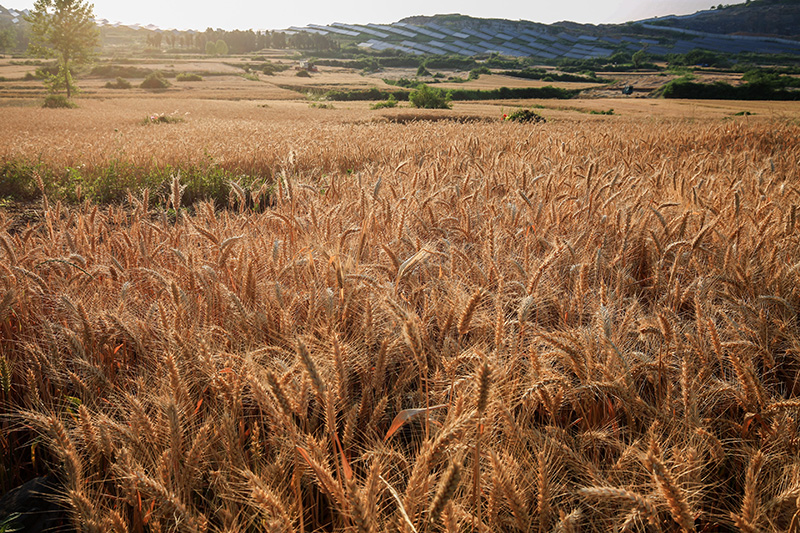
x: 779, y: 18
x: 12, y: 16
x: 731, y: 30
x: 759, y: 27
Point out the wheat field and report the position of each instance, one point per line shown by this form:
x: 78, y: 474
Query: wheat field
x: 422, y: 327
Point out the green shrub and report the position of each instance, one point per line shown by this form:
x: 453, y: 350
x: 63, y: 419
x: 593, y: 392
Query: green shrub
x: 682, y: 88
x: 189, y: 76
x: 373, y: 93
x: 609, y: 112
x: 422, y: 71
x: 475, y: 73
x: 119, y: 71
x: 541, y: 74
x: 525, y: 115
x: 429, y: 98
x: 121, y: 83
x: 303, y: 74
x: 155, y: 80
x: 58, y: 101
x: 390, y: 102
x: 505, y: 93
x: 402, y: 82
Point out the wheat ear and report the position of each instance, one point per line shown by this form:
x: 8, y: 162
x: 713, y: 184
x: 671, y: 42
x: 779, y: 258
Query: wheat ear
x: 676, y: 499
x: 444, y: 493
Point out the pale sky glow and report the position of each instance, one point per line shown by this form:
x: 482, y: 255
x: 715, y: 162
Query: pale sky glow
x: 258, y: 14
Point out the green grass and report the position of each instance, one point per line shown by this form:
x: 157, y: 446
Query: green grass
x: 595, y: 112
x: 112, y: 182
x: 188, y: 76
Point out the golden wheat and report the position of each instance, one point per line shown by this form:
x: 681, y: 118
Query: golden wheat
x: 240, y: 369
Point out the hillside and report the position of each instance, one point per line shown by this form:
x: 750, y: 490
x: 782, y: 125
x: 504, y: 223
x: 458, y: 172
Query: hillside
x: 766, y: 27
x: 762, y: 18
x: 757, y: 27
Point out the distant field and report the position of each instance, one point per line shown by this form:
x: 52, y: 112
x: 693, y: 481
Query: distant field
x: 227, y: 307
x: 226, y: 76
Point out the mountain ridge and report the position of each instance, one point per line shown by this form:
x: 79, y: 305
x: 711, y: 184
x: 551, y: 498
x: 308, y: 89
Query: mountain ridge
x: 764, y: 18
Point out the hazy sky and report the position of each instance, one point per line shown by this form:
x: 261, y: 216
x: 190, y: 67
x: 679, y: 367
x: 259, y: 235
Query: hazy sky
x: 258, y: 14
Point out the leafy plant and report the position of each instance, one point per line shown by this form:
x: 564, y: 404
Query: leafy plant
x: 188, y: 76
x: 423, y: 72
x: 64, y: 29
x: 155, y: 80
x: 58, y: 101
x: 121, y: 83
x: 8, y: 523
x: 475, y: 73
x: 429, y: 98
x: 390, y: 102
x: 525, y: 115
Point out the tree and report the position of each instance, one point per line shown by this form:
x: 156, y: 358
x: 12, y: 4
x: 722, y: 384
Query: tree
x: 64, y: 29
x: 211, y: 48
x: 278, y: 40
x: 638, y: 58
x: 7, y: 39
x: 429, y: 98
x: 221, y: 48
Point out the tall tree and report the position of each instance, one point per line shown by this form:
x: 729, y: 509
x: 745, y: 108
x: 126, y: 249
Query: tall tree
x: 7, y: 39
x: 64, y: 29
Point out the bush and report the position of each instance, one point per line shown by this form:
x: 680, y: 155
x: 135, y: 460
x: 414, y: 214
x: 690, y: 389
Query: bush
x: 390, y: 102
x: 373, y: 93
x: 541, y: 74
x: 119, y: 71
x: 422, y: 71
x: 121, y: 83
x: 683, y: 88
x: 475, y: 73
x: 525, y: 115
x: 505, y: 93
x: 269, y: 69
x: 429, y: 98
x: 58, y: 101
x: 303, y: 74
x: 403, y: 82
x: 155, y: 80
x: 189, y: 76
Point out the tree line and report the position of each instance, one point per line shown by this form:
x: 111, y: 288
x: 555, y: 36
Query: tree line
x: 237, y: 41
